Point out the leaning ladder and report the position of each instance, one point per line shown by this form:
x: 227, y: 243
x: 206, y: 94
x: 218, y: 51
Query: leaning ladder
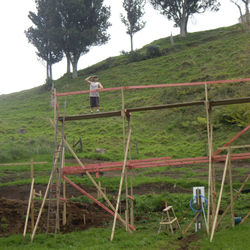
x: 53, y: 216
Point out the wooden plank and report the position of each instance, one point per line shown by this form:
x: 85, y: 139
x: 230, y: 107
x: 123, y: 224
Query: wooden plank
x: 231, y: 101
x: 120, y: 187
x: 23, y: 163
x: 33, y: 195
x: 219, y: 199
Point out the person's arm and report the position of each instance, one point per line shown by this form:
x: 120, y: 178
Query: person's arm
x: 87, y: 80
x: 100, y: 86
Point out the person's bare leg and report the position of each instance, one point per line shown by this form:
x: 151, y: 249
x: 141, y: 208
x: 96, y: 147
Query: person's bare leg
x: 91, y: 109
x: 97, y: 109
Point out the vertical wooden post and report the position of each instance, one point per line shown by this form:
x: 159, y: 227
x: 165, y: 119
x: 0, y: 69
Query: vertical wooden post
x: 231, y: 185
x: 210, y: 158
x: 123, y: 120
x: 64, y: 192
x: 219, y: 199
x: 120, y: 187
x: 132, y: 222
x: 32, y: 196
x: 126, y: 190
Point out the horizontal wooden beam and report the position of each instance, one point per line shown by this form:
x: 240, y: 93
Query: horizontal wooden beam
x: 165, y: 106
x: 23, y: 163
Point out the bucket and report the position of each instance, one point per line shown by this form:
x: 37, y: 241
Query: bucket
x: 237, y: 220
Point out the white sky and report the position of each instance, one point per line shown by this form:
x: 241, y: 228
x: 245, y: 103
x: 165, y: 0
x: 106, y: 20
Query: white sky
x: 21, y: 69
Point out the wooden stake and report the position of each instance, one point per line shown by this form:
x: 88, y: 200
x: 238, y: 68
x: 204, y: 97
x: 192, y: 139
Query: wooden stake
x: 120, y: 187
x: 126, y: 193
x: 28, y: 209
x: 123, y: 120
x: 219, y: 200
x: 234, y: 199
x: 91, y: 178
x: 231, y: 186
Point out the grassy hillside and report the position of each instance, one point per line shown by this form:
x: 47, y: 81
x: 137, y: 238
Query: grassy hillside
x: 211, y: 55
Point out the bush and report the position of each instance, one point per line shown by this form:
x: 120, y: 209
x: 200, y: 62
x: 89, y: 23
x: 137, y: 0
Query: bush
x: 135, y: 56
x: 153, y: 51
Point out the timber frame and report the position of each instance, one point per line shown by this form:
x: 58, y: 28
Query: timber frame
x: 127, y: 164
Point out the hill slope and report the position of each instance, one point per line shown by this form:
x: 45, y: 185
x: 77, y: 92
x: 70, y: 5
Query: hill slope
x: 211, y: 55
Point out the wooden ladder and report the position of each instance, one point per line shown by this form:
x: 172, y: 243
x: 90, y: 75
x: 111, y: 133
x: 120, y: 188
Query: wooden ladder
x: 168, y: 218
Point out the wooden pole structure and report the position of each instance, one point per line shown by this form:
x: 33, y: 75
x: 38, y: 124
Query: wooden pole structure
x: 120, y: 187
x: 33, y: 195
x: 28, y: 209
x: 234, y: 199
x: 91, y: 178
x: 219, y: 199
x: 231, y: 186
x: 210, y: 158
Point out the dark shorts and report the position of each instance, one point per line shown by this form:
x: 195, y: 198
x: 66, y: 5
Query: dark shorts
x: 94, y: 101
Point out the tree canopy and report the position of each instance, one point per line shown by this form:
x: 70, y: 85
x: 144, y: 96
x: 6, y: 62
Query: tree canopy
x: 132, y: 20
x: 46, y: 22
x: 84, y: 23
x: 180, y: 10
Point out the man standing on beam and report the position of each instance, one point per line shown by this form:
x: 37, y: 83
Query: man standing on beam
x: 94, y: 96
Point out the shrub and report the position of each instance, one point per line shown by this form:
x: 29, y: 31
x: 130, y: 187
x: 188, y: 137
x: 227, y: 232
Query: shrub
x: 135, y: 56
x: 153, y: 51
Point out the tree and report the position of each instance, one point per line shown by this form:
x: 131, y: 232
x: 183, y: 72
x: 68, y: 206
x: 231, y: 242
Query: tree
x: 180, y: 10
x: 132, y: 20
x: 245, y: 19
x: 84, y: 23
x: 42, y: 36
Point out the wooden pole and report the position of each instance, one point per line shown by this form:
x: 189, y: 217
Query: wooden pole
x: 64, y: 192
x: 210, y: 158
x: 123, y: 120
x: 219, y: 199
x: 28, y: 209
x: 234, y: 199
x: 132, y: 203
x: 190, y: 224
x: 231, y: 186
x: 33, y: 195
x: 244, y: 219
x: 91, y: 178
x: 120, y: 187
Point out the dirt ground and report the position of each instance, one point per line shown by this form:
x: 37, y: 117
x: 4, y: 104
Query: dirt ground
x: 13, y: 212
x: 14, y: 199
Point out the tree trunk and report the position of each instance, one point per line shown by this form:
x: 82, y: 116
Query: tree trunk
x: 47, y: 70
x: 183, y: 26
x: 50, y: 72
x: 131, y: 42
x: 74, y: 62
x: 247, y: 16
x: 68, y: 62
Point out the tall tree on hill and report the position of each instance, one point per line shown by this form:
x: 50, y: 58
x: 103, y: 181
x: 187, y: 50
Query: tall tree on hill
x: 132, y: 20
x: 46, y: 23
x: 180, y: 10
x: 245, y: 19
x: 84, y: 23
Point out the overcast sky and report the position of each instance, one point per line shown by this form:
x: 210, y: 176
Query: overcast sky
x: 21, y: 69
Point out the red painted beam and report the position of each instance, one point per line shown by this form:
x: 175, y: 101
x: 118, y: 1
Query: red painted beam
x: 92, y: 198
x: 155, y: 86
x: 233, y: 139
x: 138, y: 164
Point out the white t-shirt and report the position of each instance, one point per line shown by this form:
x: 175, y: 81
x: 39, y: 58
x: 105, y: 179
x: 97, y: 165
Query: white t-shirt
x: 93, y: 86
